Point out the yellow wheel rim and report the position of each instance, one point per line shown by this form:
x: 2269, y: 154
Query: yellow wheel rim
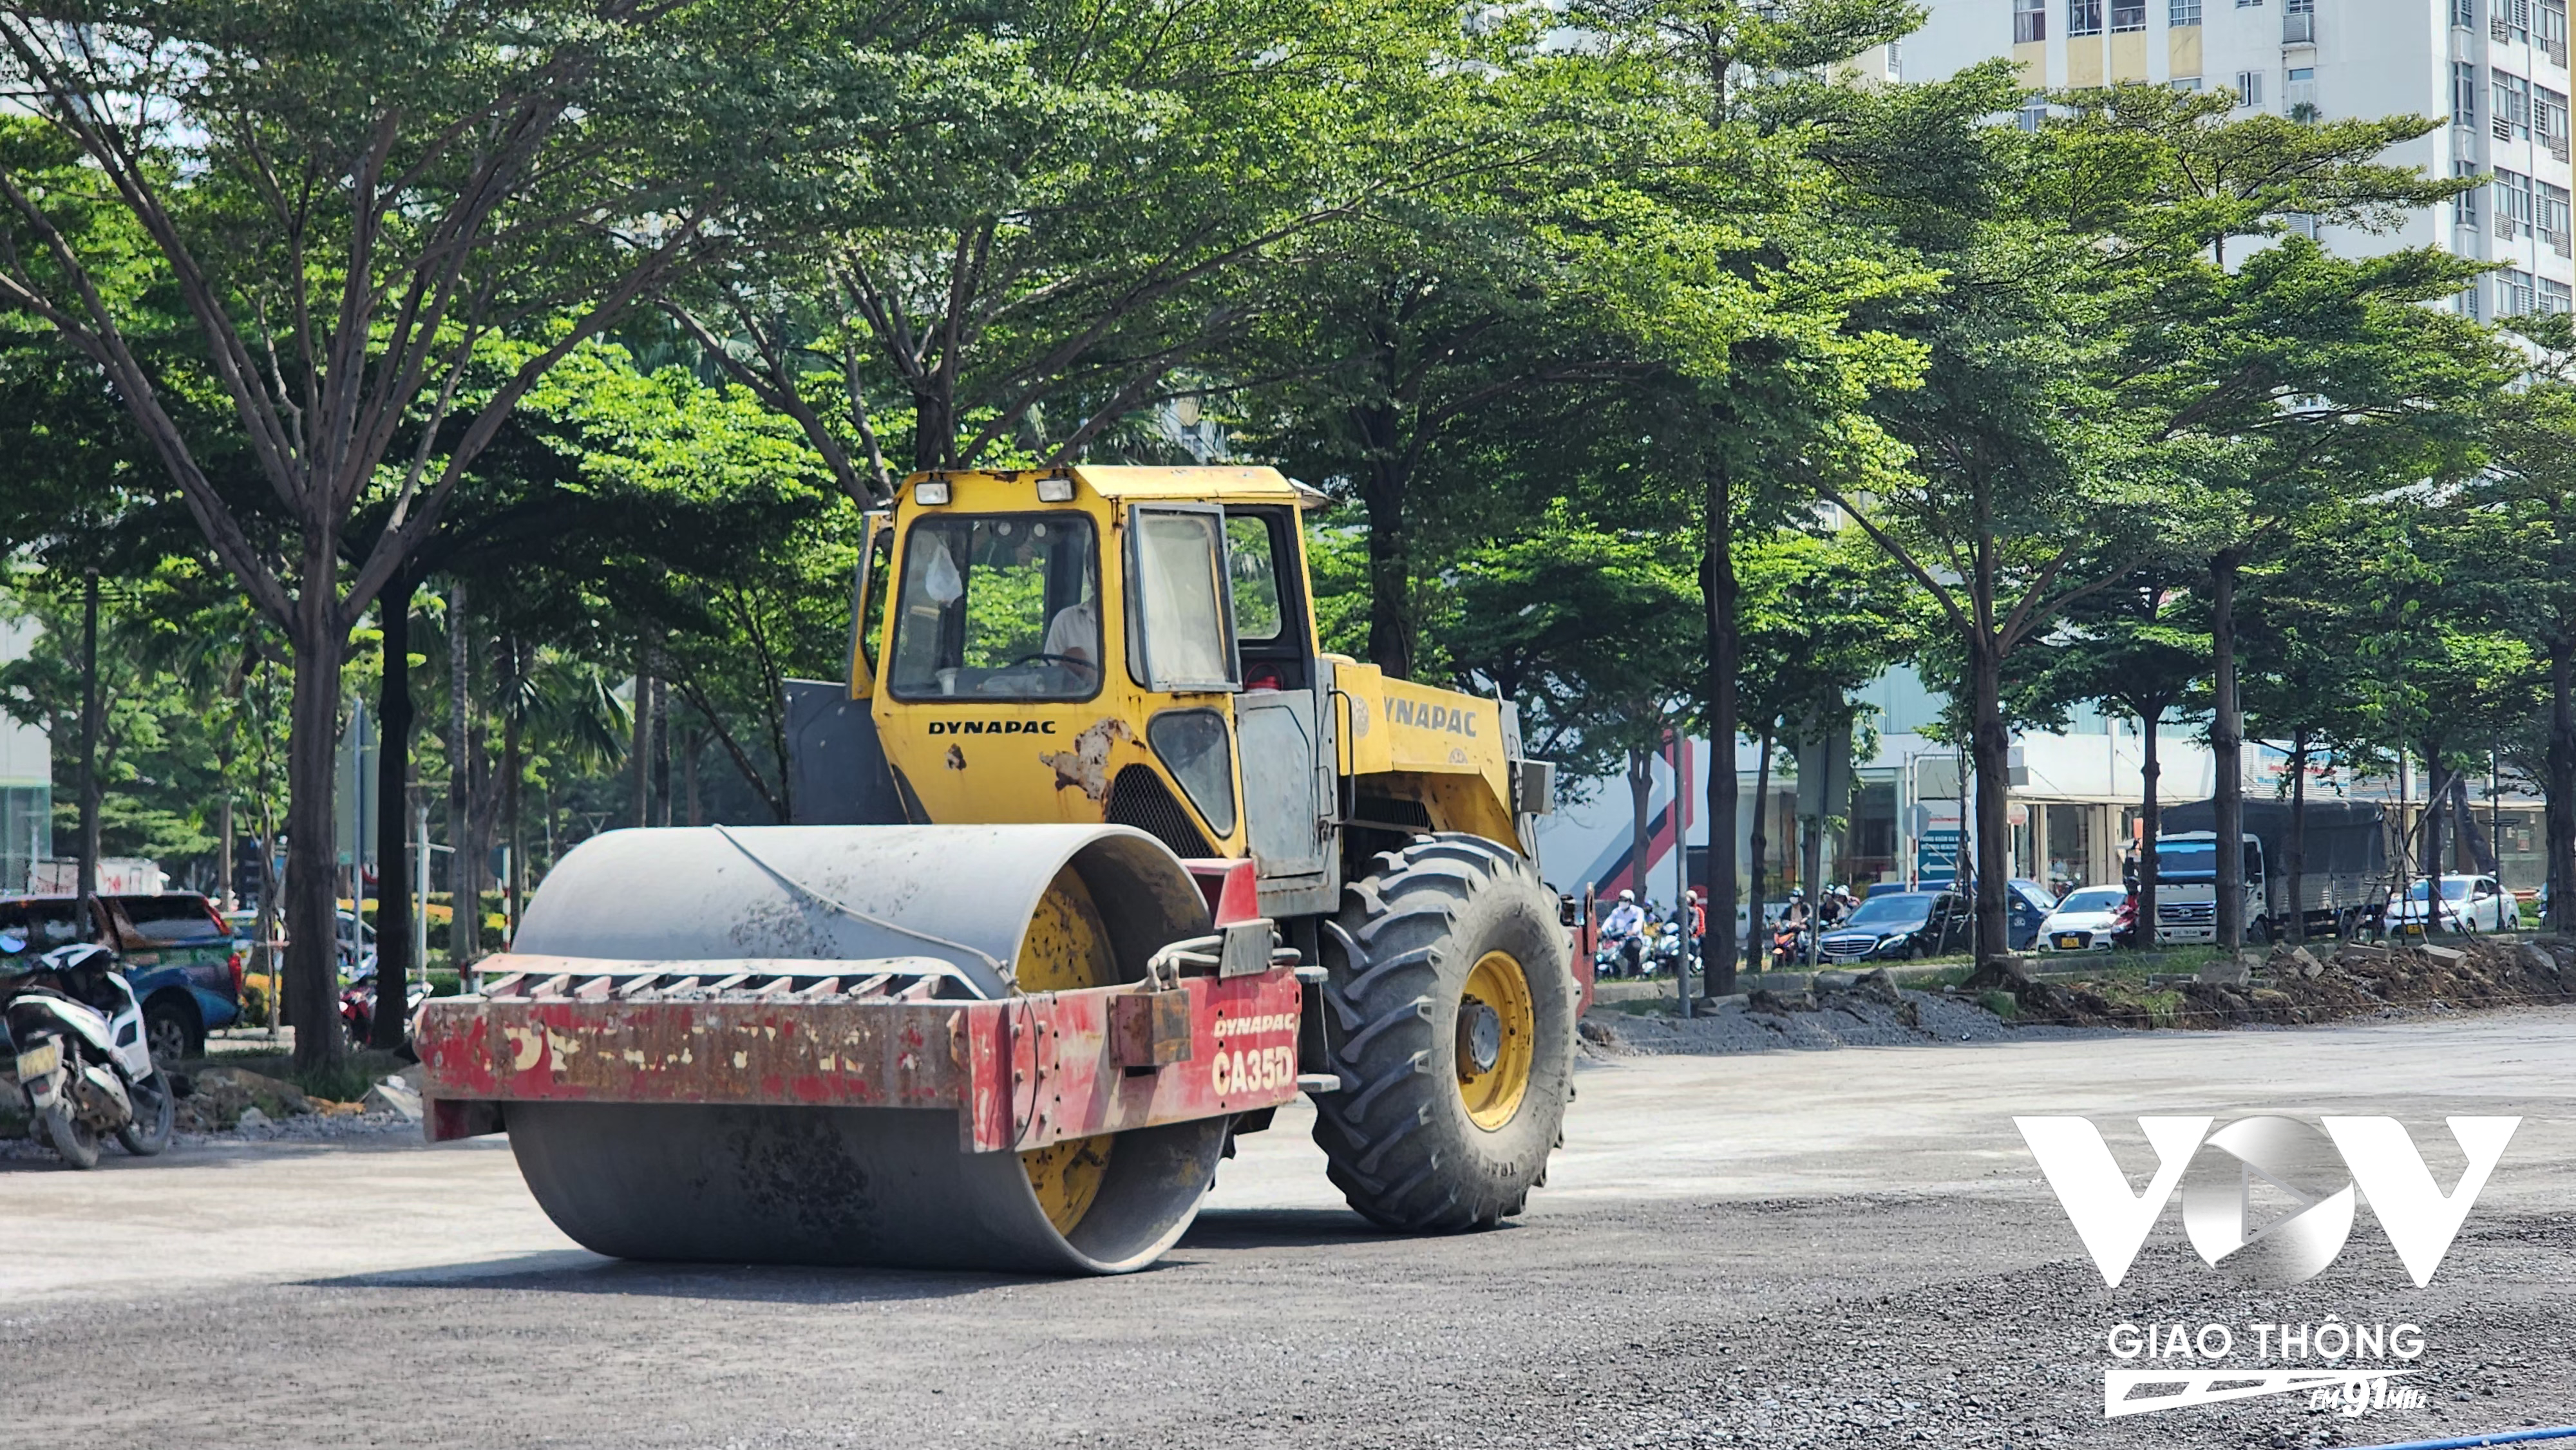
x: 1497, y: 1040
x: 1065, y: 948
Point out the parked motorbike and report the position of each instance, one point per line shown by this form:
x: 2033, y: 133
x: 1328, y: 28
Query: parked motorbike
x: 1666, y: 953
x: 358, y: 1002
x: 83, y: 1066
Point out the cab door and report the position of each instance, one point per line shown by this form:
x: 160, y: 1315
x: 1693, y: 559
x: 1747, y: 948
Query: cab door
x: 1280, y: 718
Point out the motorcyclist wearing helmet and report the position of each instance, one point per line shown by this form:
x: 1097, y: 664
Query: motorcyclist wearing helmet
x: 1625, y: 928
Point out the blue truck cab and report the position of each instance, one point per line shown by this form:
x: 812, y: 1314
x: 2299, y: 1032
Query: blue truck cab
x: 174, y: 949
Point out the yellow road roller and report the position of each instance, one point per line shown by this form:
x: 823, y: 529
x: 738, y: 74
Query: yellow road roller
x: 1098, y: 859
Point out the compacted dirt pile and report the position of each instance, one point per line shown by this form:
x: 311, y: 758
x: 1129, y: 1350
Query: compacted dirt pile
x: 2297, y: 985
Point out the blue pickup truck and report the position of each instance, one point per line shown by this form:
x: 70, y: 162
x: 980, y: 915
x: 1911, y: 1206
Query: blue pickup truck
x: 176, y: 952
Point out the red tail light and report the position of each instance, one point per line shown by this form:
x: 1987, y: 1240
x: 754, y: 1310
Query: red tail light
x: 236, y: 965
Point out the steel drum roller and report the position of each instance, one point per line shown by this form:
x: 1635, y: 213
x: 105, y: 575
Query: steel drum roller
x: 1010, y: 908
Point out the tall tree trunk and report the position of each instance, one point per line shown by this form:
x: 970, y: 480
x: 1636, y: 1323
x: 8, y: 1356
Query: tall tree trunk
x: 2437, y: 785
x: 2227, y: 751
x: 1390, y: 560
x: 1756, y: 948
x: 512, y: 768
x: 2558, y: 810
x: 1991, y: 748
x: 2150, y: 821
x: 393, y: 815
x: 1641, y: 785
x: 689, y: 774
x: 662, y: 751
x: 464, y: 863
x: 89, y: 727
x: 1718, y: 601
x: 642, y: 749
x: 2473, y: 836
x: 225, y: 892
x: 2297, y: 864
x: 312, y: 751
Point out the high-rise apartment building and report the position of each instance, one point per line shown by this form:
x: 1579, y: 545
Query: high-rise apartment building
x: 2495, y: 69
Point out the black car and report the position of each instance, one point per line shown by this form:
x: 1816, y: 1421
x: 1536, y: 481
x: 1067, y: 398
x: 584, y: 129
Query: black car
x: 1898, y: 926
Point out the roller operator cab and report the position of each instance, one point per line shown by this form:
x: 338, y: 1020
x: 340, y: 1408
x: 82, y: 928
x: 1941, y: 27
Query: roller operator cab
x: 1099, y: 859
x: 1137, y: 646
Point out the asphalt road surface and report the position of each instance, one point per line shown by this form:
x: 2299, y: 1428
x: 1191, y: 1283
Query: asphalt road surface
x: 1828, y: 1248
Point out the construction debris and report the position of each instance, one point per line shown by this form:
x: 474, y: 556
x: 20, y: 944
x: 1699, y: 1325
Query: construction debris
x: 223, y: 1095
x: 2296, y: 986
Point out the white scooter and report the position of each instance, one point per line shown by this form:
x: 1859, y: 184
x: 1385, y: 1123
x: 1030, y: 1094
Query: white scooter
x: 82, y: 1063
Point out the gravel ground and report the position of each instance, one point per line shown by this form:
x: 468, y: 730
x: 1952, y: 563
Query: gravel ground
x: 1803, y: 1249
x: 307, y: 1128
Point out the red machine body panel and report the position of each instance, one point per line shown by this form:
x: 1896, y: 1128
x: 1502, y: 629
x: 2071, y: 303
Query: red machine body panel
x: 1020, y: 1072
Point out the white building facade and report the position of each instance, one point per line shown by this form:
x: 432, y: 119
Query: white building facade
x: 26, y: 779
x: 2497, y: 69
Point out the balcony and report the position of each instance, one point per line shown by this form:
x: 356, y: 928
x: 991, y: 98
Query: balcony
x: 2299, y: 27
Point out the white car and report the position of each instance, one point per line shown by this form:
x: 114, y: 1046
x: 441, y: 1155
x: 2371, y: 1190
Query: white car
x: 2469, y: 903
x: 2081, y: 920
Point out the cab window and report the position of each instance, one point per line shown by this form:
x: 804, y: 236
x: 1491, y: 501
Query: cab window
x: 1183, y: 621
x: 1257, y: 615
x: 998, y: 606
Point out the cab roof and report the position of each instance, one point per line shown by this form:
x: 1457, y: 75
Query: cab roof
x: 1224, y: 483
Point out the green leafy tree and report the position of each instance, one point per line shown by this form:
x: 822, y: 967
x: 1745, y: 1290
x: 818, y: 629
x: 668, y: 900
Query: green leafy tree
x: 347, y: 203
x: 2530, y: 433
x: 1823, y: 616
x: 2272, y: 373
x: 2137, y: 645
x: 1739, y: 261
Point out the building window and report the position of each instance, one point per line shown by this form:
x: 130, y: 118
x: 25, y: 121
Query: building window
x: 2464, y: 206
x: 2515, y: 294
x: 2084, y: 17
x: 2464, y: 14
x: 2464, y: 93
x: 2553, y: 31
x: 2249, y: 88
x: 2179, y: 13
x: 2549, y: 119
x: 2510, y: 20
x: 2185, y: 83
x: 2511, y: 106
x: 2128, y: 15
x: 2032, y: 116
x: 2512, y: 203
x: 2248, y: 4
x: 2556, y: 296
x: 2030, y: 21
x: 2549, y: 216
x: 2299, y: 93
x: 2298, y: 22
x: 2468, y: 303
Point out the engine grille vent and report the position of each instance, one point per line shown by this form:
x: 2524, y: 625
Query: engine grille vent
x: 1138, y: 798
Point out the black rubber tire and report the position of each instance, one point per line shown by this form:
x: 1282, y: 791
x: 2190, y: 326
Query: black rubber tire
x: 170, y: 1027
x: 154, y: 1112
x: 1397, y: 1139
x: 74, y: 1140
